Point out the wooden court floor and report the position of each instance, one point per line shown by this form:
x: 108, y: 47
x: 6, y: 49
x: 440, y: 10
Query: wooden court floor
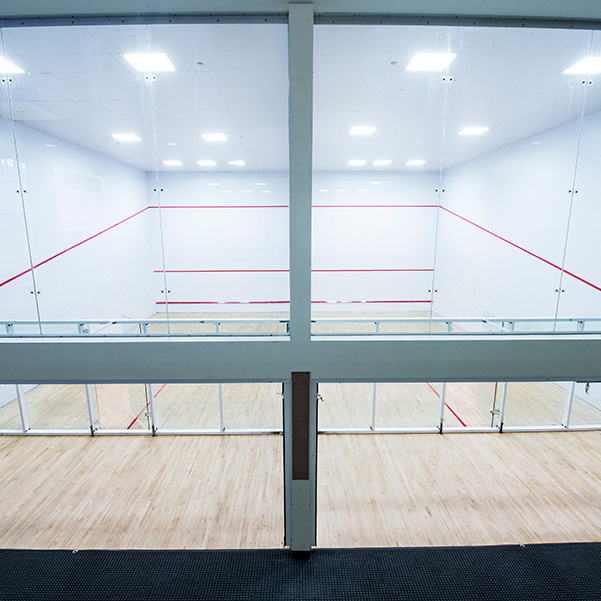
x: 194, y: 492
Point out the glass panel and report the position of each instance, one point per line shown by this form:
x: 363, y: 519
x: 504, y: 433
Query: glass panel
x: 344, y: 405
x: 187, y: 406
x: 123, y: 218
x: 534, y: 403
x: 122, y: 406
x: 407, y: 405
x: 57, y: 406
x: 253, y: 405
x: 580, y: 295
x: 505, y: 192
x: 586, y: 404
x: 473, y: 404
x: 10, y: 417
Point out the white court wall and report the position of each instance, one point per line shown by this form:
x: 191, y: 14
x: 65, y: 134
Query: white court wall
x: 504, y: 227
x: 88, y: 230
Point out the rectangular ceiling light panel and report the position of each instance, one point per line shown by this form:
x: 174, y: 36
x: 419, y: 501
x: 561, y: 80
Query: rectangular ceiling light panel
x: 150, y: 63
x: 362, y: 130
x: 126, y: 137
x: 430, y: 61
x: 214, y: 137
x: 473, y: 131
x: 415, y: 162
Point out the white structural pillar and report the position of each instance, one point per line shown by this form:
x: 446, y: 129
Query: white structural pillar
x: 300, y: 139
x: 300, y: 461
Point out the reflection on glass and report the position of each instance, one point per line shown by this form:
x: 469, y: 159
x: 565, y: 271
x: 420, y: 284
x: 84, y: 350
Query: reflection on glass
x: 252, y: 405
x: 534, y: 403
x: 586, y: 404
x: 186, y: 406
x: 10, y: 417
x: 122, y: 406
x: 344, y: 405
x: 407, y: 405
x: 57, y: 406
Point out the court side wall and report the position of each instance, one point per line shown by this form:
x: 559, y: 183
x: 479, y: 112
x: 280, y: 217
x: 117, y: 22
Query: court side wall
x: 88, y: 230
x: 504, y: 228
x: 226, y: 237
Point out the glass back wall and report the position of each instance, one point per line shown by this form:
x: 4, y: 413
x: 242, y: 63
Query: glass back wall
x: 152, y: 175
x: 444, y: 183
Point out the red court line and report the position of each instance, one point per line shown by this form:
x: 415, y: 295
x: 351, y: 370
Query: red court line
x: 281, y: 270
x: 524, y: 250
x: 146, y: 407
x: 276, y: 302
x: 219, y: 207
x: 74, y: 246
x: 436, y: 393
x: 375, y: 206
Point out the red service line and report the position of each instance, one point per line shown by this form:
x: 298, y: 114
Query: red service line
x: 524, y: 250
x: 447, y: 406
x: 218, y: 207
x: 74, y: 246
x: 284, y: 270
x: 277, y: 302
x: 146, y: 407
x: 375, y: 206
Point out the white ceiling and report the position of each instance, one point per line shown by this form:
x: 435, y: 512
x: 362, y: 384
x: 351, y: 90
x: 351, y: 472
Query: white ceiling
x: 79, y: 87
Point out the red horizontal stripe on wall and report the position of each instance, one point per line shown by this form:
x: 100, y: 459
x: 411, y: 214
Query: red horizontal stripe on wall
x: 278, y: 302
x: 375, y: 206
x: 524, y: 250
x: 74, y: 246
x: 219, y: 207
x: 282, y: 270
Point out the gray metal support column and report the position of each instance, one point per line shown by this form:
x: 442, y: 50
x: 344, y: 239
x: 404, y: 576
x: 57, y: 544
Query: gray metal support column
x: 300, y: 461
x: 300, y: 140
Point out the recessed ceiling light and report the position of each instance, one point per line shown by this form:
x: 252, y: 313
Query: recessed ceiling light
x: 587, y: 66
x: 247, y: 191
x: 324, y: 190
x: 430, y: 61
x: 147, y: 63
x: 415, y: 162
x: 8, y: 67
x: 472, y: 131
x: 50, y: 145
x: 361, y: 190
x: 259, y: 183
x: 382, y: 162
x: 173, y: 163
x: 361, y: 130
x: 374, y: 183
x: 171, y: 144
x: 356, y: 162
x: 127, y: 137
x: 214, y: 137
x: 227, y: 191
x: 236, y: 163
x: 214, y: 184
x: 265, y: 191
x: 207, y: 163
x: 537, y: 142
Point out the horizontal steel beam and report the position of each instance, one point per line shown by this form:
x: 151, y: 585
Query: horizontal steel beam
x: 417, y: 359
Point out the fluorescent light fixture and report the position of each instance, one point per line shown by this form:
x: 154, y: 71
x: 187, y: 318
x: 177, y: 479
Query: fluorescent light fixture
x: 265, y: 191
x: 237, y: 163
x: 587, y: 66
x: 50, y: 145
x: 259, y: 183
x: 342, y: 190
x: 171, y: 144
x: 227, y: 191
x: 381, y: 162
x: 246, y: 191
x: 8, y: 67
x: 537, y: 142
x: 361, y: 190
x: 415, y: 162
x: 430, y: 61
x: 150, y: 63
x: 356, y: 162
x: 361, y: 130
x: 473, y: 131
x: 374, y: 183
x: 126, y: 137
x: 214, y: 184
x: 324, y: 190
x: 173, y: 163
x: 214, y: 137
x: 207, y: 163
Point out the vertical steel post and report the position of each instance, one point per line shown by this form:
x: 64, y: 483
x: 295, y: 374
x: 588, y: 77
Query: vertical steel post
x: 300, y: 141
x: 373, y: 408
x: 443, y: 390
x: 221, y: 413
x: 91, y: 412
x: 567, y: 410
x: 503, y: 398
x: 22, y: 408
x: 150, y: 403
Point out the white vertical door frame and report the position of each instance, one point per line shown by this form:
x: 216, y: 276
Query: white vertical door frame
x: 300, y: 140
